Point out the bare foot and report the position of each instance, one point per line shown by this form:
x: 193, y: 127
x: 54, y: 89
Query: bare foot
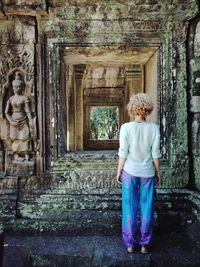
x: 130, y: 249
x: 144, y: 249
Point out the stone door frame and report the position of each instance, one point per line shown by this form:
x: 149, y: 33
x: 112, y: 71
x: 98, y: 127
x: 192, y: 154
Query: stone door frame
x: 172, y: 109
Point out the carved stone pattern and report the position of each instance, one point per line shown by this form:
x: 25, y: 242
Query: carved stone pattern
x: 94, y: 27
x: 87, y: 179
x: 181, y: 163
x: 16, y: 56
x: 168, y: 97
x: 180, y: 31
x: 100, y: 94
x: 117, y: 10
x: 164, y: 109
x: 23, y: 3
x: 181, y: 133
x: 16, y: 31
x: 52, y: 110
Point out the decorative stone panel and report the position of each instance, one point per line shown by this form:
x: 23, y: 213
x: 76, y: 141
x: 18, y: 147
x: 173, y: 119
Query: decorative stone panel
x: 17, y: 57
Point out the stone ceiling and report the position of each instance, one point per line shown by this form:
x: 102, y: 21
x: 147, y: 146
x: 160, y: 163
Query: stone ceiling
x: 113, y: 56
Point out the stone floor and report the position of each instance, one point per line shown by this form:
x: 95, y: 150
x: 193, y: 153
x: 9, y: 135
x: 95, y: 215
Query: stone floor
x: 170, y: 249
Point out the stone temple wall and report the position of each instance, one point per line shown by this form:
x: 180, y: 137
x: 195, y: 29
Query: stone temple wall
x: 194, y: 100
x: 36, y: 38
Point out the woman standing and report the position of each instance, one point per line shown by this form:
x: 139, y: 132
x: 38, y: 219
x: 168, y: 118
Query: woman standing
x: 138, y: 170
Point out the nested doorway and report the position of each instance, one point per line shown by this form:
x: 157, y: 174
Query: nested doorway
x: 97, y: 85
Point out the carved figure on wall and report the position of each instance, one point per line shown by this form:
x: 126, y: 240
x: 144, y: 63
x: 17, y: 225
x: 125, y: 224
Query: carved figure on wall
x: 19, y: 116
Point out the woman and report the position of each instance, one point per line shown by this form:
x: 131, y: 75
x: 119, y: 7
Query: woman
x: 138, y: 170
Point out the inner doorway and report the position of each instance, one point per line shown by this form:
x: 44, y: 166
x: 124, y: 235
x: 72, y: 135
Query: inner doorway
x: 97, y: 86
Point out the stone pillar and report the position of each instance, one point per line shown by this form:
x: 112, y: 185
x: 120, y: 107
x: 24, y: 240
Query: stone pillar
x: 1, y: 247
x: 194, y: 97
x: 18, y: 129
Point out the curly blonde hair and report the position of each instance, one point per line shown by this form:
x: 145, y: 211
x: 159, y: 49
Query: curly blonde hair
x: 140, y: 105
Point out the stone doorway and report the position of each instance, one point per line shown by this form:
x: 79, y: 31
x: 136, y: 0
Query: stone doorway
x: 96, y: 86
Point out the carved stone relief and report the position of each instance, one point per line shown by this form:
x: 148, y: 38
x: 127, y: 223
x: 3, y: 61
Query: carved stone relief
x: 18, y: 30
x: 138, y: 24
x: 20, y: 126
x: 17, y: 56
x: 101, y: 76
x: 17, y: 95
x: 115, y: 10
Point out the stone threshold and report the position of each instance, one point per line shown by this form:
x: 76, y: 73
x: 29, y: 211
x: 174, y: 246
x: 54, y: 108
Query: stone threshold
x: 174, y: 249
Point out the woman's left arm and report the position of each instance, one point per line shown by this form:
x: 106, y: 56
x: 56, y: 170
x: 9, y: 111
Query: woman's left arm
x: 121, y: 162
x: 156, y: 153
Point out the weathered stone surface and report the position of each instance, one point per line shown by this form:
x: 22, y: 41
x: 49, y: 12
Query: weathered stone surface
x: 171, y: 248
x: 18, y: 30
x: 107, y: 255
x: 53, y: 42
x: 16, y: 256
x: 100, y: 24
x: 99, y: 9
x: 175, y: 209
x: 193, y: 76
x: 8, y: 197
x: 175, y: 250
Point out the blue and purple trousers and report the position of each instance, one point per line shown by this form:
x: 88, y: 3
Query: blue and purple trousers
x: 137, y: 196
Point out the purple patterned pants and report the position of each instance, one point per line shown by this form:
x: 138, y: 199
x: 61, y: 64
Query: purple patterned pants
x: 137, y: 194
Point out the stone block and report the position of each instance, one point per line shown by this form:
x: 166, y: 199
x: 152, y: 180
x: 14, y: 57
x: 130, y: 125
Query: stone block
x: 16, y: 256
x: 21, y: 226
x: 25, y: 168
x: 68, y: 252
x: 8, y: 196
x: 109, y: 252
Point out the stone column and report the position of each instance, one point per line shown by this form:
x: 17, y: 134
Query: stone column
x: 194, y: 98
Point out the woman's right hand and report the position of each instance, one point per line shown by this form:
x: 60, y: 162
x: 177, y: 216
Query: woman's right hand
x: 157, y: 178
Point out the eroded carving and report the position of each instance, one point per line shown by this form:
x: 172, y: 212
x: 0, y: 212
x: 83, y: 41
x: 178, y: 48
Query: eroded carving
x: 18, y: 114
x: 20, y: 155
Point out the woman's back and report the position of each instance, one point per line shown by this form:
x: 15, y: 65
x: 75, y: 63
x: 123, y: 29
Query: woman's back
x: 139, y: 143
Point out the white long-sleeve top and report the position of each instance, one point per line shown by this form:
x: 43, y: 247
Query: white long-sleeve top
x: 139, y: 144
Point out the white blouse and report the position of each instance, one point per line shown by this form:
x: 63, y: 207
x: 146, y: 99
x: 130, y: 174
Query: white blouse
x: 139, y: 144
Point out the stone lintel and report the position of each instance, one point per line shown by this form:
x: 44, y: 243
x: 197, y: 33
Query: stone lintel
x: 101, y: 9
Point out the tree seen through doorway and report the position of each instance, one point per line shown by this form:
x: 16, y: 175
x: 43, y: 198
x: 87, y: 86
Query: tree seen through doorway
x: 104, y: 123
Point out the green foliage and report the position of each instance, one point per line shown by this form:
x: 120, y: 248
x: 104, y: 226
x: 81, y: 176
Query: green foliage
x: 104, y: 123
